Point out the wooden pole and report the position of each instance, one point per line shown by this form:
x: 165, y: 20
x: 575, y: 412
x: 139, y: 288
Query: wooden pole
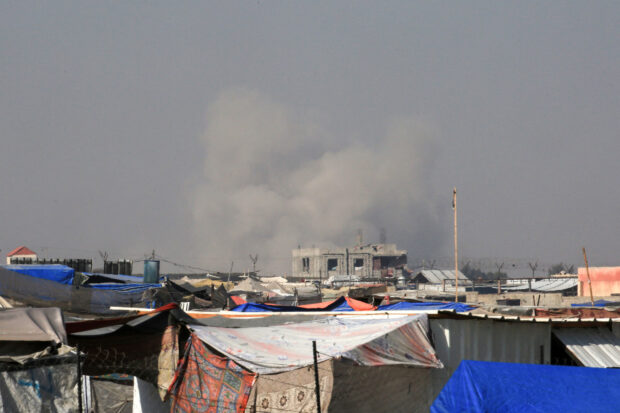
x: 317, y: 385
x: 456, y: 250
x: 585, y: 258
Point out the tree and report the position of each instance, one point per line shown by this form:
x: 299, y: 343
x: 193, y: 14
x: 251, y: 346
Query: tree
x: 477, y: 274
x: 558, y: 268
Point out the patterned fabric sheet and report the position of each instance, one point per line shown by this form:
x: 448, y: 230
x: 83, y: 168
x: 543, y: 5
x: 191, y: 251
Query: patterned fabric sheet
x: 370, y: 342
x: 207, y: 383
x: 292, y: 391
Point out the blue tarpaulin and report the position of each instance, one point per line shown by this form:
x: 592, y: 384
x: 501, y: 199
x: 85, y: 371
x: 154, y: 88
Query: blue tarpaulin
x: 342, y: 304
x: 403, y: 305
x: 481, y: 386
x: 53, y: 272
x: 598, y: 303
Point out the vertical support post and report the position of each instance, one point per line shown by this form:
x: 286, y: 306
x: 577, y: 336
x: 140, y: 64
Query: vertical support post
x: 499, y: 286
x: 316, y: 378
x: 79, y: 378
x: 456, y: 250
x: 585, y: 258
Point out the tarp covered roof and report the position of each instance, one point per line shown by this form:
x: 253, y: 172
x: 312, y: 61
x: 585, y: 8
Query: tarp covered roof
x: 480, y: 386
x: 437, y: 276
x: 408, y: 306
x: 339, y: 304
x: 592, y: 347
x: 551, y: 285
x: 267, y: 350
x: 53, y: 272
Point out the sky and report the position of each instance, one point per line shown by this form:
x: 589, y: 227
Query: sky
x: 209, y: 131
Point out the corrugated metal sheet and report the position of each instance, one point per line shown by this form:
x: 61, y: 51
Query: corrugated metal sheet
x: 593, y: 347
x: 560, y: 284
x: 437, y: 276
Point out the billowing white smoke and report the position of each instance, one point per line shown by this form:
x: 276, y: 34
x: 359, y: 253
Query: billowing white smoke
x: 273, y: 182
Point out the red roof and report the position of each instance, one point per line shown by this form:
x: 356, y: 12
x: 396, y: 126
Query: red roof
x: 21, y: 250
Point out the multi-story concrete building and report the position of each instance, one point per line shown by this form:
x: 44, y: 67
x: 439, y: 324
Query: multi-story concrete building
x: 370, y: 261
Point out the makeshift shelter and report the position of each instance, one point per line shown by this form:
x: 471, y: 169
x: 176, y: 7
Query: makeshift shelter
x: 37, y: 369
x: 60, y: 286
x: 478, y: 386
x: 143, y: 346
x: 278, y: 360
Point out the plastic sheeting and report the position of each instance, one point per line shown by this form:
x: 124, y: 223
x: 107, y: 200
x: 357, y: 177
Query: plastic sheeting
x: 51, y: 388
x: 478, y: 386
x: 43, y: 292
x: 339, y: 304
x: 32, y: 324
x: 598, y: 303
x: 404, y: 305
x: 369, y: 342
x: 53, y: 272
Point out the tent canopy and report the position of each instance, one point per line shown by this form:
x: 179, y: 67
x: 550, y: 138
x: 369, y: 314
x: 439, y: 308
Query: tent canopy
x: 369, y: 342
x: 480, y: 386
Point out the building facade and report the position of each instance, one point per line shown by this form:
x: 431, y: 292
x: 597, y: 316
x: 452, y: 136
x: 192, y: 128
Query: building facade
x: 21, y: 255
x: 369, y: 262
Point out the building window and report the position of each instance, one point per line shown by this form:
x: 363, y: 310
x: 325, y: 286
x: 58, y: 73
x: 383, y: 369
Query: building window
x: 305, y: 264
x: 332, y: 264
x: 358, y: 263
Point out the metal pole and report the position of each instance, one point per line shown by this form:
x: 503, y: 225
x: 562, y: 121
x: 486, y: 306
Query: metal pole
x: 585, y: 258
x: 456, y: 250
x: 316, y: 378
x: 79, y: 379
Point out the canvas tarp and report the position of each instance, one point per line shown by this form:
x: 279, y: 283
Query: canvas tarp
x: 32, y: 324
x: 370, y: 342
x: 479, y: 386
x: 31, y: 333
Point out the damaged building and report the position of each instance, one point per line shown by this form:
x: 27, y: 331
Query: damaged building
x: 368, y: 262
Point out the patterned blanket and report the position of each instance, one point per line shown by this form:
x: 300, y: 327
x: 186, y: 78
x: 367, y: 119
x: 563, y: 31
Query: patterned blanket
x: 207, y: 383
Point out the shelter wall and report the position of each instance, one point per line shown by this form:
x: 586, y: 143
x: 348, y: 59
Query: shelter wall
x: 605, y: 281
x: 486, y: 340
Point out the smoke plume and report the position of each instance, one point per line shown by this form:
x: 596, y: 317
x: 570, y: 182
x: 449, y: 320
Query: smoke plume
x: 274, y: 179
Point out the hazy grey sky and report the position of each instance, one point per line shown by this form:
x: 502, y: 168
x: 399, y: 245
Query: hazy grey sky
x: 211, y: 130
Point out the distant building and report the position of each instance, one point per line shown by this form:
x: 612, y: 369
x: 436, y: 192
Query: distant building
x: 605, y: 281
x: 437, y: 277
x: 21, y: 254
x: 371, y: 262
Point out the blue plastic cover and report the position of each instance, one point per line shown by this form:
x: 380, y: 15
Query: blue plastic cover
x: 340, y: 304
x: 598, y: 303
x: 53, y: 272
x: 403, y: 305
x: 481, y: 386
x: 122, y: 287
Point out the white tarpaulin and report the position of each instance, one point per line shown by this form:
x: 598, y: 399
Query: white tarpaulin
x: 369, y: 342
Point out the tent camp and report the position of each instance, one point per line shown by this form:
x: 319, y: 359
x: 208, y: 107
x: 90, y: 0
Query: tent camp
x: 480, y: 386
